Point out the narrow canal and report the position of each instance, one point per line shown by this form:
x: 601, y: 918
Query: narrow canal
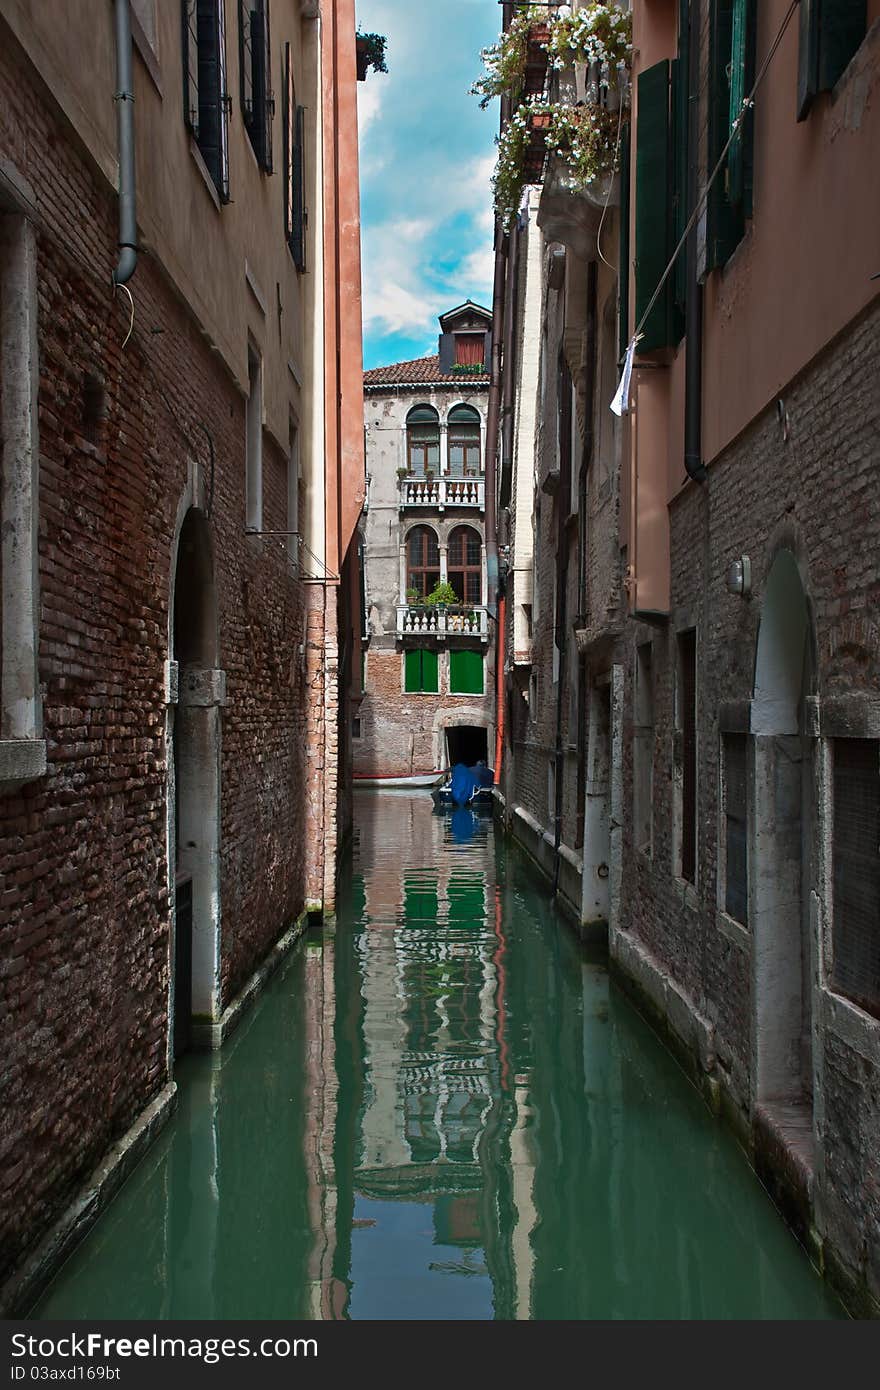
x: 443, y: 1111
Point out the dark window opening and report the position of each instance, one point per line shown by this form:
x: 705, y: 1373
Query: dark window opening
x: 422, y: 561
x: 643, y: 750
x: 293, y: 122
x: 464, y: 568
x: 355, y: 728
x: 732, y: 25
x: 687, y: 716
x: 257, y: 102
x: 94, y: 408
x: 856, y: 872
x: 205, y: 99
x: 463, y: 440
x: 736, y: 889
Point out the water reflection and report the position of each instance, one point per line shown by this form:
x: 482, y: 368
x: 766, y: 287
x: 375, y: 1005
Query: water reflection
x: 441, y: 1111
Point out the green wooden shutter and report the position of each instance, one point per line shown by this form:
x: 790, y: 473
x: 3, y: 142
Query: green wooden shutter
x: 466, y: 672
x: 842, y: 25
x: 652, y: 203
x: 623, y: 261
x: 679, y: 190
x: 412, y: 671
x: 808, y: 56
x: 430, y: 680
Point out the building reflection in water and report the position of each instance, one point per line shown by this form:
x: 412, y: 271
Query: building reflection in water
x: 436, y: 1105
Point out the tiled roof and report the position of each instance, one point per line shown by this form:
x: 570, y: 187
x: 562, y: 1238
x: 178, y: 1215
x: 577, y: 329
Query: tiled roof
x: 422, y: 370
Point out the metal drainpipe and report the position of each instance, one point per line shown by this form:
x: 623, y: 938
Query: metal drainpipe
x: 492, y: 421
x: 693, y: 366
x: 124, y: 98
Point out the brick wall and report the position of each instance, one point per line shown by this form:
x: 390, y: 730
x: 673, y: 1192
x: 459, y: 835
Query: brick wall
x: 84, y: 911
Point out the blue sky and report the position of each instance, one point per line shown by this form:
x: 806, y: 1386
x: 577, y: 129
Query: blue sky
x: 426, y: 157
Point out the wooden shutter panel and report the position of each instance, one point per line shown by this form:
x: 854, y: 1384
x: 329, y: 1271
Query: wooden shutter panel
x: 652, y: 203
x: 842, y: 25
x: 725, y: 222
x: 298, y: 227
x: 679, y: 82
x: 466, y: 672
x: 189, y: 12
x: 742, y: 69
x: 263, y: 104
x: 808, y: 56
x: 623, y: 262
x: 447, y: 353
x: 412, y: 671
x: 430, y: 682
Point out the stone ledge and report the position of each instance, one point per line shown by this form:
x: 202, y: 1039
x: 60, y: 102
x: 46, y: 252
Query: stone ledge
x: 22, y: 760
x: 24, y: 1286
x: 213, y: 1035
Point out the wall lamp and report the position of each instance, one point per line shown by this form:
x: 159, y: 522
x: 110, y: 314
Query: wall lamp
x: 739, y: 577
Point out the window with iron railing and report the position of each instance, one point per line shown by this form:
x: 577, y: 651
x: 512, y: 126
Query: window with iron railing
x: 206, y: 101
x: 257, y: 102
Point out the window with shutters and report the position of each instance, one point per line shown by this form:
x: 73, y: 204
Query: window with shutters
x: 422, y: 561
x: 423, y: 441
x: 469, y: 349
x: 255, y: 71
x: 465, y: 673
x: 686, y: 720
x: 463, y: 438
x: 734, y: 772
x: 420, y: 672
x: 293, y: 122
x: 643, y: 749
x: 855, y: 852
x: 830, y: 33
x: 653, y: 206
x: 732, y: 26
x: 205, y: 99
x: 464, y: 567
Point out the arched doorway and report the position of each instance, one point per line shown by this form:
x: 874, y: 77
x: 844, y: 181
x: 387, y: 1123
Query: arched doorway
x: 196, y: 761
x: 780, y: 844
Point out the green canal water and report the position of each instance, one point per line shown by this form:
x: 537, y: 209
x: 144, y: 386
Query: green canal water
x: 443, y: 1110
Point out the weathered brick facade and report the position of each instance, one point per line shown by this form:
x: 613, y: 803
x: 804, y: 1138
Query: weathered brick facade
x: 139, y: 424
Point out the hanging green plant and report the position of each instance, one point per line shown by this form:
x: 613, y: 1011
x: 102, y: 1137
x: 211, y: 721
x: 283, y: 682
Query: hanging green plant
x: 508, y: 180
x: 586, y: 139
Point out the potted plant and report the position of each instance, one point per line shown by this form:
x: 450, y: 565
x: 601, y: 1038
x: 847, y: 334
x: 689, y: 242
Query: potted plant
x: 597, y: 34
x: 369, y: 53
x: 412, y: 597
x: 402, y: 473
x: 442, y: 595
x: 505, y: 61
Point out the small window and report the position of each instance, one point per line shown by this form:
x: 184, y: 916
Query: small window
x: 687, y: 728
x: 255, y: 69
x: 734, y: 749
x: 423, y: 441
x: 830, y: 34
x: 205, y: 98
x: 420, y: 672
x: 422, y: 561
x: 643, y: 750
x: 466, y: 673
x: 464, y: 568
x: 293, y: 119
x: 463, y: 437
x: 355, y: 728
x: 254, y: 443
x: 856, y: 872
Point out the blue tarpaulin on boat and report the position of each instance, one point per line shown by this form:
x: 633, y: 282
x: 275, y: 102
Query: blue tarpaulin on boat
x: 465, y: 781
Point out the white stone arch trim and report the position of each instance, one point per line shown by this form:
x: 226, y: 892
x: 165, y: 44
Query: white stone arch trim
x: 455, y: 717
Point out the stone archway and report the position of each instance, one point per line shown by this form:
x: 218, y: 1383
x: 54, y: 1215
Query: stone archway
x: 195, y: 830
x: 781, y: 827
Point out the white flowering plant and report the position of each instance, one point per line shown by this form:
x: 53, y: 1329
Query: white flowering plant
x: 585, y: 138
x: 597, y: 34
x: 505, y: 61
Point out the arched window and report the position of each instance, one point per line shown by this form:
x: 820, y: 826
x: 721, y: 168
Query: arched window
x: 464, y: 441
x: 464, y: 568
x: 423, y: 441
x: 422, y: 560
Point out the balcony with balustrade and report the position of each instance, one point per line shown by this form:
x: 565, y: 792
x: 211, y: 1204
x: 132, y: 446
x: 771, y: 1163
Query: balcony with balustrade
x: 424, y: 620
x: 438, y: 494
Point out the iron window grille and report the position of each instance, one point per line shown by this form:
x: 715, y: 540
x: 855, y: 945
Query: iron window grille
x: 206, y: 102
x: 856, y: 872
x: 257, y: 101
